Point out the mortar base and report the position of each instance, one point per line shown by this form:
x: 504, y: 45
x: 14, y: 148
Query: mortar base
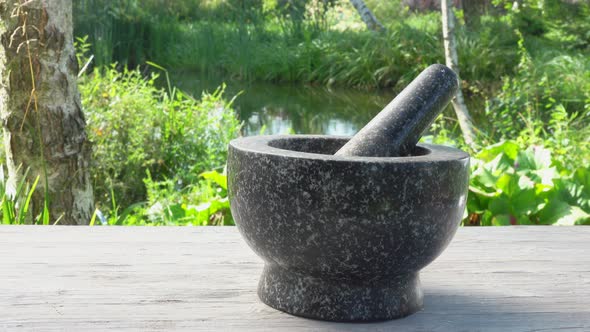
x: 336, y: 300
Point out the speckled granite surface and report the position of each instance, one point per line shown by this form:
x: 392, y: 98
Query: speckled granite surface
x: 343, y: 237
x: 323, y: 298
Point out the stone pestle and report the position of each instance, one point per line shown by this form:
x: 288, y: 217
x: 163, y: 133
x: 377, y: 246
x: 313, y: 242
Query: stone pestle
x: 395, y: 131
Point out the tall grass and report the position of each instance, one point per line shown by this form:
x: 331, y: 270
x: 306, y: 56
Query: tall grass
x: 15, y: 201
x: 273, y: 50
x: 122, y: 32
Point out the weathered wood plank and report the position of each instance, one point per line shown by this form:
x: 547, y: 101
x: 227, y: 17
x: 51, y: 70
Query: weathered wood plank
x: 128, y: 278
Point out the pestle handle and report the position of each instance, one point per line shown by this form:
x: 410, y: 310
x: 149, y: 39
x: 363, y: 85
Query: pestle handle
x: 398, y: 127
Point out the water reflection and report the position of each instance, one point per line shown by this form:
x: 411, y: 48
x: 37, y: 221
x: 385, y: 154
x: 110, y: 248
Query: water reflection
x: 283, y: 109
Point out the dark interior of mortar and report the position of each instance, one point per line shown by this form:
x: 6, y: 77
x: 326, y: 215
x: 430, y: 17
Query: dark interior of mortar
x: 327, y: 145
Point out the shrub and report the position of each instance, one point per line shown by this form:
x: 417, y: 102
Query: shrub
x: 544, y: 104
x: 135, y: 127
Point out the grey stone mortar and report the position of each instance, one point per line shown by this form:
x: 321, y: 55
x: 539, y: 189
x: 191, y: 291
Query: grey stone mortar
x: 344, y: 237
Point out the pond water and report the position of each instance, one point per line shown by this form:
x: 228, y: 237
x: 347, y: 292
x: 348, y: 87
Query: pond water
x: 283, y: 109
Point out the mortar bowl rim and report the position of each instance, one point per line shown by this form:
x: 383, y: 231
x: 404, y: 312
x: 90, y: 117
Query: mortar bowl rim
x: 268, y: 145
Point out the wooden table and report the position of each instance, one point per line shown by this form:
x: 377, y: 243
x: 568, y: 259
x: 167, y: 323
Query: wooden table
x: 132, y: 278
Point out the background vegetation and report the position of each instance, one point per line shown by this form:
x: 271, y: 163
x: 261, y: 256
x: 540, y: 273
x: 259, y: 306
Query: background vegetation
x: 159, y: 153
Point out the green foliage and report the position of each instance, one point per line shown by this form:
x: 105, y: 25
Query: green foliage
x: 15, y: 202
x: 15, y: 205
x: 321, y: 41
x: 537, y: 174
x: 200, y: 204
x: 130, y: 32
x: 526, y: 70
x: 332, y: 57
x: 277, y: 50
x: 119, y: 30
x: 511, y: 186
x: 545, y: 104
x: 136, y: 127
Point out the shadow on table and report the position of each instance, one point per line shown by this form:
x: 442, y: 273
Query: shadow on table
x: 445, y: 310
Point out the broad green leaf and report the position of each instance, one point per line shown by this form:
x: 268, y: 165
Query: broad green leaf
x: 481, y: 193
x: 542, y: 188
x: 500, y: 164
x: 533, y: 158
x: 575, y: 191
x: 545, y: 175
x: 582, y: 175
x: 525, y: 202
x: 560, y: 213
x: 509, y: 148
x: 485, y: 177
x: 524, y: 182
x: 219, y: 178
x: 501, y: 220
x: 474, y: 202
x: 582, y: 179
x: 486, y: 218
x: 523, y: 220
x: 488, y: 174
x: 507, y: 184
x: 500, y: 205
x: 576, y: 216
x: 175, y: 211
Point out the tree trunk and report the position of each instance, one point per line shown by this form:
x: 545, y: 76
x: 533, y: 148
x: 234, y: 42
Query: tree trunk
x: 367, y: 16
x: 448, y: 24
x: 42, y: 119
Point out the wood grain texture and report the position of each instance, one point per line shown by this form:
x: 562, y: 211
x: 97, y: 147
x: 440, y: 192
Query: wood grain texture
x: 145, y: 279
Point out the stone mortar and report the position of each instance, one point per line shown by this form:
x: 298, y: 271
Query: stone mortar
x: 344, y: 237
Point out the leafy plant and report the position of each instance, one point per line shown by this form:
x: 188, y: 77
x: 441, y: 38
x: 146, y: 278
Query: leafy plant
x: 200, y: 204
x: 214, y: 209
x: 136, y: 126
x: 511, y: 186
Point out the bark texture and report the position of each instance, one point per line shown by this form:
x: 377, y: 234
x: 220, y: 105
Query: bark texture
x: 452, y: 61
x: 42, y: 119
x: 367, y: 15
